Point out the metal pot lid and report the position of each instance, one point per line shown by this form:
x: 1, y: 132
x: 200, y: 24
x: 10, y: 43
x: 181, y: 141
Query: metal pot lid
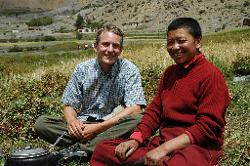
x: 29, y: 153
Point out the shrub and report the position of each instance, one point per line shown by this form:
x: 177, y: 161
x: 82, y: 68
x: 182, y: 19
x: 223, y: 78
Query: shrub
x: 202, y: 12
x: 221, y: 65
x: 16, y: 49
x: 2, y: 70
x: 49, y: 38
x: 246, y: 4
x: 22, y: 101
x: 63, y: 30
x: 241, y: 65
x: 36, y: 39
x: 40, y: 21
x: 236, y: 144
x: 150, y: 80
x: 13, y: 40
x: 34, y: 48
x: 3, y: 40
x: 110, y: 11
x: 79, y: 35
x: 95, y: 25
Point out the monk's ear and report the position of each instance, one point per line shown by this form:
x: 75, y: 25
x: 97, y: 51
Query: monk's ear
x: 198, y: 43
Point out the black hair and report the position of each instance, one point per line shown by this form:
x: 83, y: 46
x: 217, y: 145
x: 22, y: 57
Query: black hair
x: 189, y: 23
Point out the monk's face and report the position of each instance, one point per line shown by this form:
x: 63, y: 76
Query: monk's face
x: 182, y: 46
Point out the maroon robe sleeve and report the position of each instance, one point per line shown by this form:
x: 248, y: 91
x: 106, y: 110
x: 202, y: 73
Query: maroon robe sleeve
x: 213, y: 101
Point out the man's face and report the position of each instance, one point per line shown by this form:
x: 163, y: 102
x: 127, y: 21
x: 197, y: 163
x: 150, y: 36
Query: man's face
x: 108, y: 49
x: 182, y: 46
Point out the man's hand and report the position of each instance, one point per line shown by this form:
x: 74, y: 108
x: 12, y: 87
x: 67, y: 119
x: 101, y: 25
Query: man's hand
x: 90, y: 130
x: 155, y: 156
x: 74, y: 126
x: 75, y: 129
x: 125, y: 149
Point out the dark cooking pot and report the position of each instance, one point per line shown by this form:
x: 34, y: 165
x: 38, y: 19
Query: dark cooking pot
x: 42, y: 157
x: 33, y: 157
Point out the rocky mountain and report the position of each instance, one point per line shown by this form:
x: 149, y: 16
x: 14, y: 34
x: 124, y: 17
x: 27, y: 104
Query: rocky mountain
x: 153, y: 15
x: 130, y: 15
x: 30, y: 5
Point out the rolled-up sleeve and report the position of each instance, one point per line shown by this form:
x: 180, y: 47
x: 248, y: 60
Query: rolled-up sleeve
x: 72, y: 93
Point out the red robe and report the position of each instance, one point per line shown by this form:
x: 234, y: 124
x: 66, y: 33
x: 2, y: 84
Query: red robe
x: 190, y: 99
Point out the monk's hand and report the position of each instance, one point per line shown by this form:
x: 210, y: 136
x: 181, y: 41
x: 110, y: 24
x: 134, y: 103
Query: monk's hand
x: 125, y: 149
x: 155, y: 156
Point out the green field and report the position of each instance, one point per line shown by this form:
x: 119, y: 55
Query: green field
x: 33, y: 79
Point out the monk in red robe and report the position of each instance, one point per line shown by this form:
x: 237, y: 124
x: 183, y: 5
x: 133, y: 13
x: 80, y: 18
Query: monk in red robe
x: 188, y: 110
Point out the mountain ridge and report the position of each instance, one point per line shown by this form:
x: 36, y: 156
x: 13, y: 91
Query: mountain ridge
x: 132, y: 15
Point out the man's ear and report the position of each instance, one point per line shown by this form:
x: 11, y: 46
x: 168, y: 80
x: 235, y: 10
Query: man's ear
x: 95, y: 46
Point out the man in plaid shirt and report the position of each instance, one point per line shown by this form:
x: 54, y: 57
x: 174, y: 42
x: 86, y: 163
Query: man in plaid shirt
x: 102, y: 100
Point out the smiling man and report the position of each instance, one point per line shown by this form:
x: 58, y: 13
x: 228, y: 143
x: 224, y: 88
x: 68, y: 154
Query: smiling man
x: 188, y: 111
x: 103, y: 98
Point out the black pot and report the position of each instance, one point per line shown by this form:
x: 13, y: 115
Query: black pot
x: 33, y: 157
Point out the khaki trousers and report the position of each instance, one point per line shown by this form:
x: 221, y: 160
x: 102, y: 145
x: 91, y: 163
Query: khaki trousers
x: 50, y: 128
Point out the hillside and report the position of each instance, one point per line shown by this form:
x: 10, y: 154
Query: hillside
x: 130, y: 15
x: 30, y: 5
x: 153, y: 15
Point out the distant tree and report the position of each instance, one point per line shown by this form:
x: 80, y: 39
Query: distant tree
x: 79, y: 22
x: 97, y: 25
x: 94, y: 25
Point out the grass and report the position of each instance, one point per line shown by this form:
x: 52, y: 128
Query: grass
x: 234, y: 35
x: 33, y: 82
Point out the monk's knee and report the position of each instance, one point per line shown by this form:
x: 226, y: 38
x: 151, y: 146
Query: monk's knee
x: 191, y: 156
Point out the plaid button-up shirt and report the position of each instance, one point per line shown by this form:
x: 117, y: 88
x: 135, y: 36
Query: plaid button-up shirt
x: 92, y: 91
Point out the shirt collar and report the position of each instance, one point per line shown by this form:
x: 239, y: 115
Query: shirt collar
x: 192, y: 61
x: 114, y: 70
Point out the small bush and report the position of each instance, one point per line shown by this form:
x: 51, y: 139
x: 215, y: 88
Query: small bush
x: 221, y: 65
x: 13, y: 40
x: 246, y: 4
x: 22, y: 101
x: 79, y: 35
x: 236, y: 144
x: 63, y: 30
x: 3, y: 40
x: 49, y: 38
x: 202, y: 12
x: 241, y: 65
x: 16, y: 49
x: 95, y: 25
x: 40, y: 21
x: 150, y: 80
x: 34, y: 48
